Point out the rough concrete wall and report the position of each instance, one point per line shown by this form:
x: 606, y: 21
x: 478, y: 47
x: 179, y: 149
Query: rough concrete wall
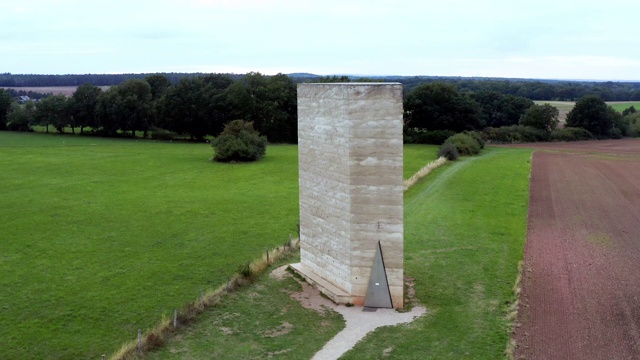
x: 376, y: 187
x: 351, y: 186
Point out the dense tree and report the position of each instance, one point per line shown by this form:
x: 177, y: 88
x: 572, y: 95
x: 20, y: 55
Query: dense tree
x: 82, y: 107
x: 239, y: 141
x: 439, y: 106
x: 500, y: 109
x: 20, y: 117
x: 53, y: 110
x: 591, y: 113
x: 126, y: 107
x: 269, y: 102
x: 135, y: 106
x: 621, y: 126
x: 185, y: 108
x: 543, y: 117
x: 628, y: 111
x: 108, y: 115
x: 5, y: 106
x: 218, y: 110
x: 331, y: 79
x: 159, y: 83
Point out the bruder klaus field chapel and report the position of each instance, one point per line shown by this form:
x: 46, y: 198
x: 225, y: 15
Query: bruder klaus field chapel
x: 351, y: 191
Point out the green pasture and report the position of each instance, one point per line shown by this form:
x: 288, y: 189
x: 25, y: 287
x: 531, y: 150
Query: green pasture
x: 102, y: 237
x: 623, y: 105
x: 566, y: 106
x: 465, y: 227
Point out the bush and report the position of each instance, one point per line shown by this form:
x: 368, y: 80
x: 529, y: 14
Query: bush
x: 162, y: 134
x: 19, y: 126
x: 571, y: 134
x: 515, y: 134
x: 593, y: 114
x: 421, y: 136
x: 543, y: 117
x: 478, y: 136
x: 634, y: 124
x: 239, y: 142
x: 465, y: 144
x: 449, y: 151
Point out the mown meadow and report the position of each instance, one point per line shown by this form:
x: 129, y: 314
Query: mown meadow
x: 102, y: 237
x: 465, y: 227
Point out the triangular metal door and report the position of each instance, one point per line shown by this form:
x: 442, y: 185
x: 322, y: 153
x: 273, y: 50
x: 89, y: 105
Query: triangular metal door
x: 378, y: 294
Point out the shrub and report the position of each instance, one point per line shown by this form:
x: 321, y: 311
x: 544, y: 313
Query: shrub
x: 449, y: 151
x: 543, y: 117
x: 515, y: 134
x: 571, y: 134
x: 465, y: 144
x: 19, y: 126
x: 239, y: 142
x: 162, y: 134
x: 634, y: 124
x: 478, y: 136
x: 593, y: 114
x: 422, y: 136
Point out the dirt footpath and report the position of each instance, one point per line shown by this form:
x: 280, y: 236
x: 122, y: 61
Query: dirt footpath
x: 580, y: 294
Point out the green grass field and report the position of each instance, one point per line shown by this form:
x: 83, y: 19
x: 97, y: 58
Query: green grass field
x: 465, y: 227
x: 621, y: 106
x: 102, y: 237
x: 565, y: 106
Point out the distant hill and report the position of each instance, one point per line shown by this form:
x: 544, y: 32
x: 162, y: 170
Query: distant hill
x: 534, y: 89
x: 303, y: 75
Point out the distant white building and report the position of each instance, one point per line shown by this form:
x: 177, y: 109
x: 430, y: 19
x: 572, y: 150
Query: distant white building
x: 23, y: 99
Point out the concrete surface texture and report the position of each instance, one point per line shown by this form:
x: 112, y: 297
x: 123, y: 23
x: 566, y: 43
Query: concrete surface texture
x: 351, y: 185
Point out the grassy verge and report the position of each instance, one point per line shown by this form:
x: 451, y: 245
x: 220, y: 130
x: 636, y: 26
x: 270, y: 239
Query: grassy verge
x: 465, y: 227
x: 258, y: 322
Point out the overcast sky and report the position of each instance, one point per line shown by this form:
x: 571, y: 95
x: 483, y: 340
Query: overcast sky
x: 531, y: 39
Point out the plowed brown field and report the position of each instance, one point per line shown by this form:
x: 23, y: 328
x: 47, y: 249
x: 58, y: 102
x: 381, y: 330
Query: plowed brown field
x: 580, y: 294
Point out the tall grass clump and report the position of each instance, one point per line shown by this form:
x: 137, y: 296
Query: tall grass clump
x: 424, y: 172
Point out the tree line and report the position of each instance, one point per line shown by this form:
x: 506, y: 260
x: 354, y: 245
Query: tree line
x: 196, y: 107
x: 436, y: 111
x: 200, y: 106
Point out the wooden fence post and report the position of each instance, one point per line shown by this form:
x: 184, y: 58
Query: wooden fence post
x: 175, y: 318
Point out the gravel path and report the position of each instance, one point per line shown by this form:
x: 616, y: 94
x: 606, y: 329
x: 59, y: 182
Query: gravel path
x: 358, y: 322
